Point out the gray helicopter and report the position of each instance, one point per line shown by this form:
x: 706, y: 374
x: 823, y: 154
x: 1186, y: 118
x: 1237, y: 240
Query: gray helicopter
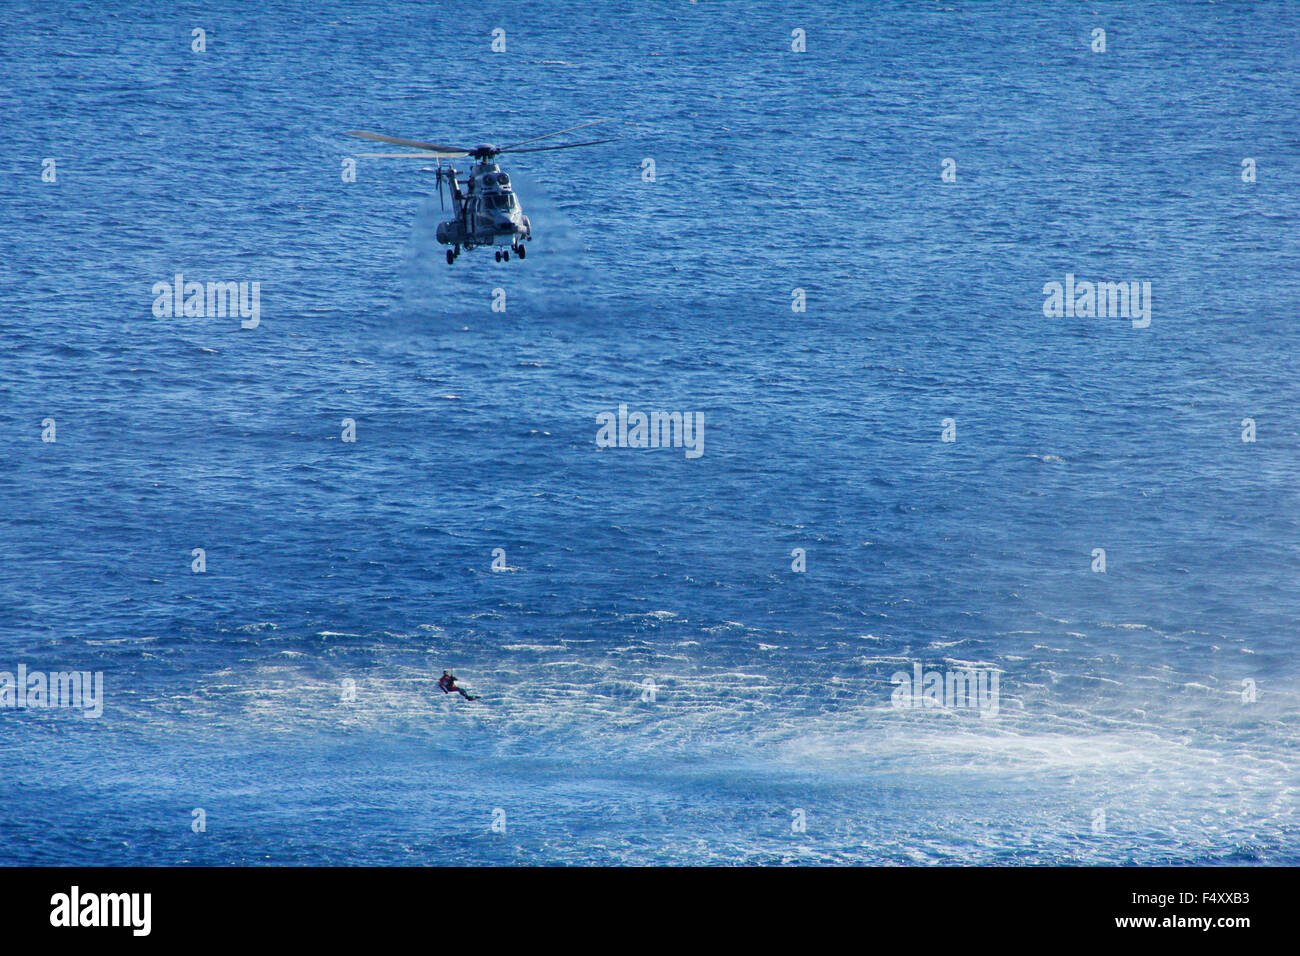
x: 487, y: 212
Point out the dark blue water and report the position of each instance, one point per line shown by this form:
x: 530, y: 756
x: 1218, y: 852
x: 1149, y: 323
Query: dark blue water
x: 1125, y: 731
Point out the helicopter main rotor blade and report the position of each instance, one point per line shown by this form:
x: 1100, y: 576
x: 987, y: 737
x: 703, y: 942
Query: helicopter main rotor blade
x: 398, y: 141
x: 425, y: 156
x: 556, y: 133
x: 542, y: 149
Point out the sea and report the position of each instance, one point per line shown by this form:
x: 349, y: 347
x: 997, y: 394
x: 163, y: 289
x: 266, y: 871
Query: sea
x: 836, y: 241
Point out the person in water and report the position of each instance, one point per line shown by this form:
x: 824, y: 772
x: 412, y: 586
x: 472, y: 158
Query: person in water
x: 448, y: 684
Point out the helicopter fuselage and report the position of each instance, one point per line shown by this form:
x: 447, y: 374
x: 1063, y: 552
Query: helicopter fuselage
x: 487, y: 211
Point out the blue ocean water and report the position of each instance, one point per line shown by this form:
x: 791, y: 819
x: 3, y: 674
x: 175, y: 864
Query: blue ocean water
x: 658, y: 684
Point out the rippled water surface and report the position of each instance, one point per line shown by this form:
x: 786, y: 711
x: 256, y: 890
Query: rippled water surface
x: 1125, y: 729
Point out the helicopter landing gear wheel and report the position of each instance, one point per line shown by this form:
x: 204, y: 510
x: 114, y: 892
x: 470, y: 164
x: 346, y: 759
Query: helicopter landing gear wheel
x: 498, y: 255
x: 520, y: 251
x: 505, y: 255
x: 451, y: 257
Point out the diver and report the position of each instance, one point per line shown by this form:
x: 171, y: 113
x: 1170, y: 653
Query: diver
x: 448, y: 684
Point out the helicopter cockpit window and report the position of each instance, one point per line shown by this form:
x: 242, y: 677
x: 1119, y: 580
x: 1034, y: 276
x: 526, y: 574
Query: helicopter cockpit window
x: 499, y: 201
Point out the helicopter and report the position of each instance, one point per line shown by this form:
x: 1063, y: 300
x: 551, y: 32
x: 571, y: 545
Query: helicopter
x: 487, y: 211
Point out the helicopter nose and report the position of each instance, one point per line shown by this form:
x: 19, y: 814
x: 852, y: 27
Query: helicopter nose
x: 505, y: 225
